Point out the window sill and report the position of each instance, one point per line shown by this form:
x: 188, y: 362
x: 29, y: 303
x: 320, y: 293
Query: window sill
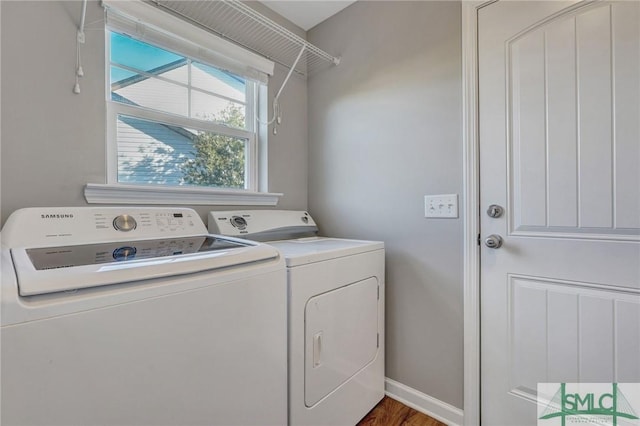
x: 96, y: 193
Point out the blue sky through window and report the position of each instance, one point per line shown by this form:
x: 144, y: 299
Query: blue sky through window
x: 137, y: 54
x: 142, y: 56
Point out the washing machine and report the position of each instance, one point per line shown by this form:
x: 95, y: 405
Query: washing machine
x: 137, y: 316
x: 336, y: 314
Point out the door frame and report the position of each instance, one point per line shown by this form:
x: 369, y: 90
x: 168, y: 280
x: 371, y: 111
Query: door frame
x: 472, y: 211
x: 471, y: 219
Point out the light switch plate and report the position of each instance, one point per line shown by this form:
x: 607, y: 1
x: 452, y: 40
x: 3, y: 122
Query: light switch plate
x: 442, y: 206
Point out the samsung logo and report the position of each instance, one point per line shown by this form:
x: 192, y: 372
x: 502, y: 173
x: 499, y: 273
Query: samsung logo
x: 57, y: 216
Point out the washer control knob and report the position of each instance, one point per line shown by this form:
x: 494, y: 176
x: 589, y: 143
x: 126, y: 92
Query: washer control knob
x: 124, y: 223
x: 124, y: 253
x: 239, y: 222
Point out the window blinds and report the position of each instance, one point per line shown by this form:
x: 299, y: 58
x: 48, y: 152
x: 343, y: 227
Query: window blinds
x: 148, y: 23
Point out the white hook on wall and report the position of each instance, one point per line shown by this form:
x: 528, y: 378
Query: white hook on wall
x: 80, y: 38
x: 277, y: 114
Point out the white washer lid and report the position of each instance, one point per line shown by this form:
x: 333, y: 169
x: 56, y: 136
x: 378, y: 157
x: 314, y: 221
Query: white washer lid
x: 303, y: 251
x: 89, y: 272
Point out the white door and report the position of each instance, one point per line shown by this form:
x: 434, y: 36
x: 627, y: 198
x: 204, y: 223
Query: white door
x: 559, y: 119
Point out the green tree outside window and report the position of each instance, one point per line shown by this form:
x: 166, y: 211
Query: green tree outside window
x: 218, y: 160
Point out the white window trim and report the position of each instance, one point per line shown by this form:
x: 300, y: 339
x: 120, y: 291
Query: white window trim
x: 121, y: 193
x: 96, y: 193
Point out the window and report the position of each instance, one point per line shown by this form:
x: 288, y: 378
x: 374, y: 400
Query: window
x: 179, y: 121
x: 181, y: 110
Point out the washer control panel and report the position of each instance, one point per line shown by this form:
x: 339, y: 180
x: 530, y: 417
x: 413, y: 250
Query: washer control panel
x: 52, y: 226
x: 124, y: 223
x: 163, y: 221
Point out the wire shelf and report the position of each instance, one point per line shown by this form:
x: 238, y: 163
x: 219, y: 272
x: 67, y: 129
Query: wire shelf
x: 239, y: 23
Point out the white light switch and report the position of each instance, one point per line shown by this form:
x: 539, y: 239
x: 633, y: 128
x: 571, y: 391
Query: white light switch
x: 441, y: 205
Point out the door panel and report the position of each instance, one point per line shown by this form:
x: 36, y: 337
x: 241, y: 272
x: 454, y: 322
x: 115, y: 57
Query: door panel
x: 560, y: 150
x: 595, y: 140
x: 574, y: 333
x: 626, y: 51
x: 572, y: 155
x: 562, y: 168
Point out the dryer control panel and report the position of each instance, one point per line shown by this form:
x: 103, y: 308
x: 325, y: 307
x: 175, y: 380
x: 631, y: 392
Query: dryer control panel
x: 262, y: 225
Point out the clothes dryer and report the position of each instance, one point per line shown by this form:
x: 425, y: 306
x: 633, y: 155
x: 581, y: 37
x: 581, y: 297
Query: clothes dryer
x: 336, y: 314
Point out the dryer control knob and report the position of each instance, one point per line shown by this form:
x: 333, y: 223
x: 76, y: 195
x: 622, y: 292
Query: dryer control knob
x: 239, y: 222
x: 124, y: 223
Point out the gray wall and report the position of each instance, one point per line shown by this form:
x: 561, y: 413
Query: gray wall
x: 53, y: 142
x: 384, y: 130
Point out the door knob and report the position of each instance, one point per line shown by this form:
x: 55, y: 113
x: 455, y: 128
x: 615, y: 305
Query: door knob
x: 495, y: 210
x: 493, y: 241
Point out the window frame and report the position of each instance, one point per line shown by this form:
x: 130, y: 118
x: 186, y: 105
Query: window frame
x: 115, y: 108
x: 255, y: 192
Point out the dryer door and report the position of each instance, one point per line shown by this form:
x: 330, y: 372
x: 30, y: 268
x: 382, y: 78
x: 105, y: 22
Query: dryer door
x: 341, y: 336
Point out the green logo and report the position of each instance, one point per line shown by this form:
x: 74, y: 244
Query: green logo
x: 589, y: 406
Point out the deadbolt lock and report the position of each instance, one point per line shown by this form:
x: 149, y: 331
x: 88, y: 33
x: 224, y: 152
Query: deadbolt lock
x: 495, y: 211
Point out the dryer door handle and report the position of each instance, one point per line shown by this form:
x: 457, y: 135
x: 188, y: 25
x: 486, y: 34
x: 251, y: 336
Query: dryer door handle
x: 317, y: 349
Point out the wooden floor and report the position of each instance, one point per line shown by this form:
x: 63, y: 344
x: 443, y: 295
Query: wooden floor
x: 390, y: 412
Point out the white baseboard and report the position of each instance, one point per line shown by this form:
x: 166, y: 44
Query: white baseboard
x: 424, y: 403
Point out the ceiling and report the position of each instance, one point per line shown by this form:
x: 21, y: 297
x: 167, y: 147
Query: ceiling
x: 306, y: 13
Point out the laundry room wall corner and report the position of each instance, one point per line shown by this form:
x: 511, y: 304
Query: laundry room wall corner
x: 385, y: 129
